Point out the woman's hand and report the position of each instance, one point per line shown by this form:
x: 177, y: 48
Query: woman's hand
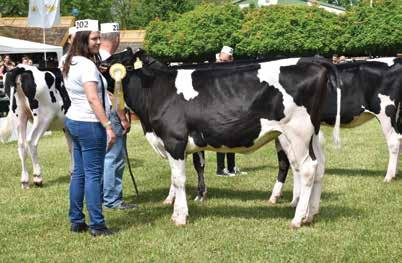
x: 111, y: 137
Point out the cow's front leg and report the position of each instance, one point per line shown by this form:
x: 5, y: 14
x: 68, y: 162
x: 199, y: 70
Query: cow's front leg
x: 180, y: 210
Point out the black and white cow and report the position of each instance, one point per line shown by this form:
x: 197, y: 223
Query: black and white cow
x: 35, y: 96
x: 236, y: 108
x: 370, y: 90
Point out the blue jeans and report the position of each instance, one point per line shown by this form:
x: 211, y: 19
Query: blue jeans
x: 114, y: 166
x: 89, y: 148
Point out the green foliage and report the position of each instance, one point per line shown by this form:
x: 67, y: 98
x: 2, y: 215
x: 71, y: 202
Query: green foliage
x: 284, y: 30
x: 287, y: 30
x: 196, y: 35
x: 100, y: 10
x: 372, y: 31
x: 14, y: 8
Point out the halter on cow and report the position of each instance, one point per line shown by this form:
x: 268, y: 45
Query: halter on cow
x: 230, y: 109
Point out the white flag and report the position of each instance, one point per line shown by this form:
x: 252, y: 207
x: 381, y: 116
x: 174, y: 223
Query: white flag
x: 44, y: 13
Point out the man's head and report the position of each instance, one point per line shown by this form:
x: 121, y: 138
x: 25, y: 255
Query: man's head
x: 226, y: 54
x: 25, y: 60
x: 110, y: 37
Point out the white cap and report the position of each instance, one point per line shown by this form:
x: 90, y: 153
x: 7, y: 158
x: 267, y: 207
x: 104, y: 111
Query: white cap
x: 72, y: 30
x: 109, y: 27
x: 87, y: 25
x: 227, y: 50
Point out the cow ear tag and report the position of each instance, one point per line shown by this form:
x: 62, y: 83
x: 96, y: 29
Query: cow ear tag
x: 138, y: 63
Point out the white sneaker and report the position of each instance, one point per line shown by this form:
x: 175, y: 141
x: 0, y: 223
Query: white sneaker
x: 237, y: 172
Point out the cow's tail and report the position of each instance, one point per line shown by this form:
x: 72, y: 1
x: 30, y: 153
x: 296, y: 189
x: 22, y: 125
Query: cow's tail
x: 6, y: 127
x: 336, y: 83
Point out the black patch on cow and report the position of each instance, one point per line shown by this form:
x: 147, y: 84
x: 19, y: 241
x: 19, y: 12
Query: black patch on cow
x: 284, y: 165
x: 29, y: 88
x: 53, y: 98
x: 49, y: 80
x: 303, y: 82
x: 311, y: 150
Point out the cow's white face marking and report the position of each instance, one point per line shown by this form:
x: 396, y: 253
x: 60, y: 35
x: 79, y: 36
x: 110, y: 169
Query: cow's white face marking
x: 184, y: 84
x: 156, y: 143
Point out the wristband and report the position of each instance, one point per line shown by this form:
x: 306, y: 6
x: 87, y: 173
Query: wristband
x: 106, y: 124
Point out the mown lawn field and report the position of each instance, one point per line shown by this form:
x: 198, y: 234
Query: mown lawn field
x: 360, y: 218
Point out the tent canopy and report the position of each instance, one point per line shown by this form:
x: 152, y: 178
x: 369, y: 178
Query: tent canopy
x: 17, y: 46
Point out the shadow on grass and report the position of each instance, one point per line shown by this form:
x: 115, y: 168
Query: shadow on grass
x: 148, y: 215
x: 159, y: 194
x: 59, y: 180
x: 355, y: 172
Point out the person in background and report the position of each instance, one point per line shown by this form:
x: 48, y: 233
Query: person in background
x: 7, y: 65
x: 115, y: 156
x: 25, y: 60
x: 30, y: 62
x: 87, y: 122
x: 226, y: 55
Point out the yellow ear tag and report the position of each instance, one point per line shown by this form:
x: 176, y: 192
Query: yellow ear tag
x: 138, y: 63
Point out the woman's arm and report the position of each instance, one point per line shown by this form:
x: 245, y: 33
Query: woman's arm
x: 96, y: 105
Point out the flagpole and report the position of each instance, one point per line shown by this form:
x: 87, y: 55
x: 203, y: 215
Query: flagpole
x: 44, y: 42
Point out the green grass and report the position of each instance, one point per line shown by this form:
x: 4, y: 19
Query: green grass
x: 360, y: 218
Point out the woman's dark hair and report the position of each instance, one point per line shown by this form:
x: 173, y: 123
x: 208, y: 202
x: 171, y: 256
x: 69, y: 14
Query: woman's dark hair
x: 79, y: 47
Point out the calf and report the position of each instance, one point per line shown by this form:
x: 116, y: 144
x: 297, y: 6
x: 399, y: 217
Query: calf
x: 370, y: 89
x: 236, y: 108
x: 34, y: 96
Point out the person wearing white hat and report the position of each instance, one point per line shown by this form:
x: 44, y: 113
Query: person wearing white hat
x: 226, y: 55
x: 87, y: 122
x: 115, y: 156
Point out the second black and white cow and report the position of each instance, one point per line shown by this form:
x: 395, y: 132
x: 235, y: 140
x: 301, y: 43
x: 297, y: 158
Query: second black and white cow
x: 369, y: 90
x: 35, y: 96
x: 236, y: 108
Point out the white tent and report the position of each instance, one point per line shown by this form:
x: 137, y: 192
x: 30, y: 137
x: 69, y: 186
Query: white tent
x: 17, y: 46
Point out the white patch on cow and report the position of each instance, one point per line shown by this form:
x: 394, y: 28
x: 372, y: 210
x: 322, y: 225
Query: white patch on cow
x: 388, y: 60
x: 156, y: 143
x: 184, y: 84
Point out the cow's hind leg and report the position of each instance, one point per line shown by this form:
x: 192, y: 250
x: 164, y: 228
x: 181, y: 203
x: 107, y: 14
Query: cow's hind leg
x: 180, y: 210
x: 284, y: 165
x: 172, y: 194
x: 70, y: 150
x: 199, y: 165
x: 22, y: 121
x: 315, y: 198
x: 304, y: 162
x: 38, y: 129
x: 394, y: 145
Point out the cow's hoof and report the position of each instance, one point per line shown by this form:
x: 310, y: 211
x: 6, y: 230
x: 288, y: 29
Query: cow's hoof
x: 179, y: 220
x: 168, y: 201
x: 308, y: 220
x: 273, y: 200
x: 294, y: 226
x: 294, y: 202
x: 37, y: 180
x: 388, y: 179
x: 25, y: 185
x: 199, y: 198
